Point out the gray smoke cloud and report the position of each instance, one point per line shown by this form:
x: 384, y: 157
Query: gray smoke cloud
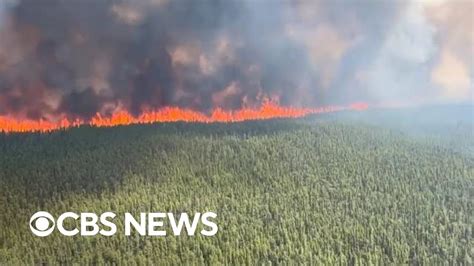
x: 78, y: 58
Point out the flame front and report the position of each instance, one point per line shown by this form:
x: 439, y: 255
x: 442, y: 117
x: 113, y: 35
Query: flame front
x: 268, y: 110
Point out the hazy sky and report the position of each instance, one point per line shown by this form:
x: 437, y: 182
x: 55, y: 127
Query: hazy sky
x: 81, y: 57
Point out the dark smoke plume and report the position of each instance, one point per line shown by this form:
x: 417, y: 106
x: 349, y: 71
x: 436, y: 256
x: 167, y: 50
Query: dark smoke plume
x: 77, y: 58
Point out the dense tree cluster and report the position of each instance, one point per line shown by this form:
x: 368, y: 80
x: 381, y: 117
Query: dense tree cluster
x: 299, y: 191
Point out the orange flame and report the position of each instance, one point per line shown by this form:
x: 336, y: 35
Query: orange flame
x: 268, y: 110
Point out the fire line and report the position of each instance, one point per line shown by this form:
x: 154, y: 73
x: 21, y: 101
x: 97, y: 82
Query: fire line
x: 267, y: 110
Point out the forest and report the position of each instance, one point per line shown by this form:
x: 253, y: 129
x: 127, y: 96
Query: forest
x: 337, y: 189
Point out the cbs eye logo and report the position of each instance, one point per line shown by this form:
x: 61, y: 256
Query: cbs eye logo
x: 42, y: 223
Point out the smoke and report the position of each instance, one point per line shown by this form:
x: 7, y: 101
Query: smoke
x: 79, y: 58
x: 402, y: 65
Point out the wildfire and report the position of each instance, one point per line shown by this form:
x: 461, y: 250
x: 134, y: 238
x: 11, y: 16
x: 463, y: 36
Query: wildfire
x: 268, y: 110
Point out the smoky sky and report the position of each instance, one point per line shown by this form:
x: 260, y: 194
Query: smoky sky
x: 78, y: 58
